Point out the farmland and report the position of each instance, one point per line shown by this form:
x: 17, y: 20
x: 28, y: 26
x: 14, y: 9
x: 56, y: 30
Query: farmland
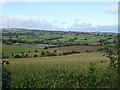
x: 58, y: 72
x: 56, y: 59
x: 55, y: 37
x: 16, y: 41
x: 76, y: 48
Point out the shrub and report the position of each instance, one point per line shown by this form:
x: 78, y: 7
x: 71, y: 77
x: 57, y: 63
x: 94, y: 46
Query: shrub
x: 53, y: 54
x: 90, y: 50
x: 87, y: 51
x: 45, y: 47
x: 4, y: 56
x: 6, y: 62
x: 8, y: 42
x: 36, y: 51
x: 55, y: 51
x: 100, y: 49
x: 47, y: 53
x: 26, y: 55
x: 73, y: 51
x: 12, y: 55
x: 17, y: 56
x: 43, y: 53
x: 35, y: 55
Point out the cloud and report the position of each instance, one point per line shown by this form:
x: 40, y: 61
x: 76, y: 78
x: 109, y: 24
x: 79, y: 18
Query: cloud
x: 55, y: 21
x: 26, y: 22
x: 112, y: 9
x: 63, y: 22
x: 87, y: 27
x: 37, y: 23
x: 107, y: 28
x: 77, y: 20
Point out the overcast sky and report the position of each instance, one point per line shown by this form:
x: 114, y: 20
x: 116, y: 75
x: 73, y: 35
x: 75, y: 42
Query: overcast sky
x: 68, y: 16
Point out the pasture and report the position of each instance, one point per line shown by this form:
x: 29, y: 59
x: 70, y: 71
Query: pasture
x: 55, y: 36
x: 8, y: 50
x: 60, y: 72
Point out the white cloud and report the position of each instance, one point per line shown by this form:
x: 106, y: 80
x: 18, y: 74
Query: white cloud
x: 37, y: 23
x: 26, y: 22
x: 77, y: 20
x: 112, y: 9
x: 87, y: 27
x: 55, y: 21
x: 63, y: 22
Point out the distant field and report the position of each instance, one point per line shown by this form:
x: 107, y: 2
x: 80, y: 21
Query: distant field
x: 51, y: 71
x: 54, y: 36
x: 15, y: 49
x: 76, y: 48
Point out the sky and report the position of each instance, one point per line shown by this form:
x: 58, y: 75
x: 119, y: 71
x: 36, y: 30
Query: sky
x: 64, y: 16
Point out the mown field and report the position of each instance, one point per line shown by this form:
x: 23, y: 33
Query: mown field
x: 71, y: 71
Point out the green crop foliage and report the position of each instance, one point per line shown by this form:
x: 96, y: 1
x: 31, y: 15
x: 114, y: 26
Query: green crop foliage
x: 72, y: 71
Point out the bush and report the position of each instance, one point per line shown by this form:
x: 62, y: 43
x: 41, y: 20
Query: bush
x: 47, y: 53
x: 12, y: 55
x: 8, y: 43
x: 100, y: 49
x: 35, y: 55
x: 36, y: 51
x: 4, y: 56
x: 87, y: 51
x: 86, y: 44
x: 6, y: 62
x: 45, y: 47
x: 55, y: 51
x: 43, y: 53
x: 26, y: 55
x: 53, y: 54
x: 17, y: 56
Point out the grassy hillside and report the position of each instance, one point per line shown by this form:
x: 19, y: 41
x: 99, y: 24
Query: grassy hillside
x: 58, y: 71
x: 15, y: 49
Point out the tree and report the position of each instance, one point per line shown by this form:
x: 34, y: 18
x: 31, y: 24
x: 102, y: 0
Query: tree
x: 45, y: 47
x: 36, y: 51
x: 35, y: 55
x: 12, y: 55
x: 29, y: 51
x: 26, y: 55
x: 43, y: 53
x: 112, y: 52
x: 55, y: 51
x: 22, y: 54
x: 17, y: 56
x: 16, y: 36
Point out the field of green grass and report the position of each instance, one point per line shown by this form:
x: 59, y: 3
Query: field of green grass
x: 15, y: 49
x: 57, y: 71
x: 42, y: 35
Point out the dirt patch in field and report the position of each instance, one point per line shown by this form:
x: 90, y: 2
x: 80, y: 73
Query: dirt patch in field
x: 76, y: 48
